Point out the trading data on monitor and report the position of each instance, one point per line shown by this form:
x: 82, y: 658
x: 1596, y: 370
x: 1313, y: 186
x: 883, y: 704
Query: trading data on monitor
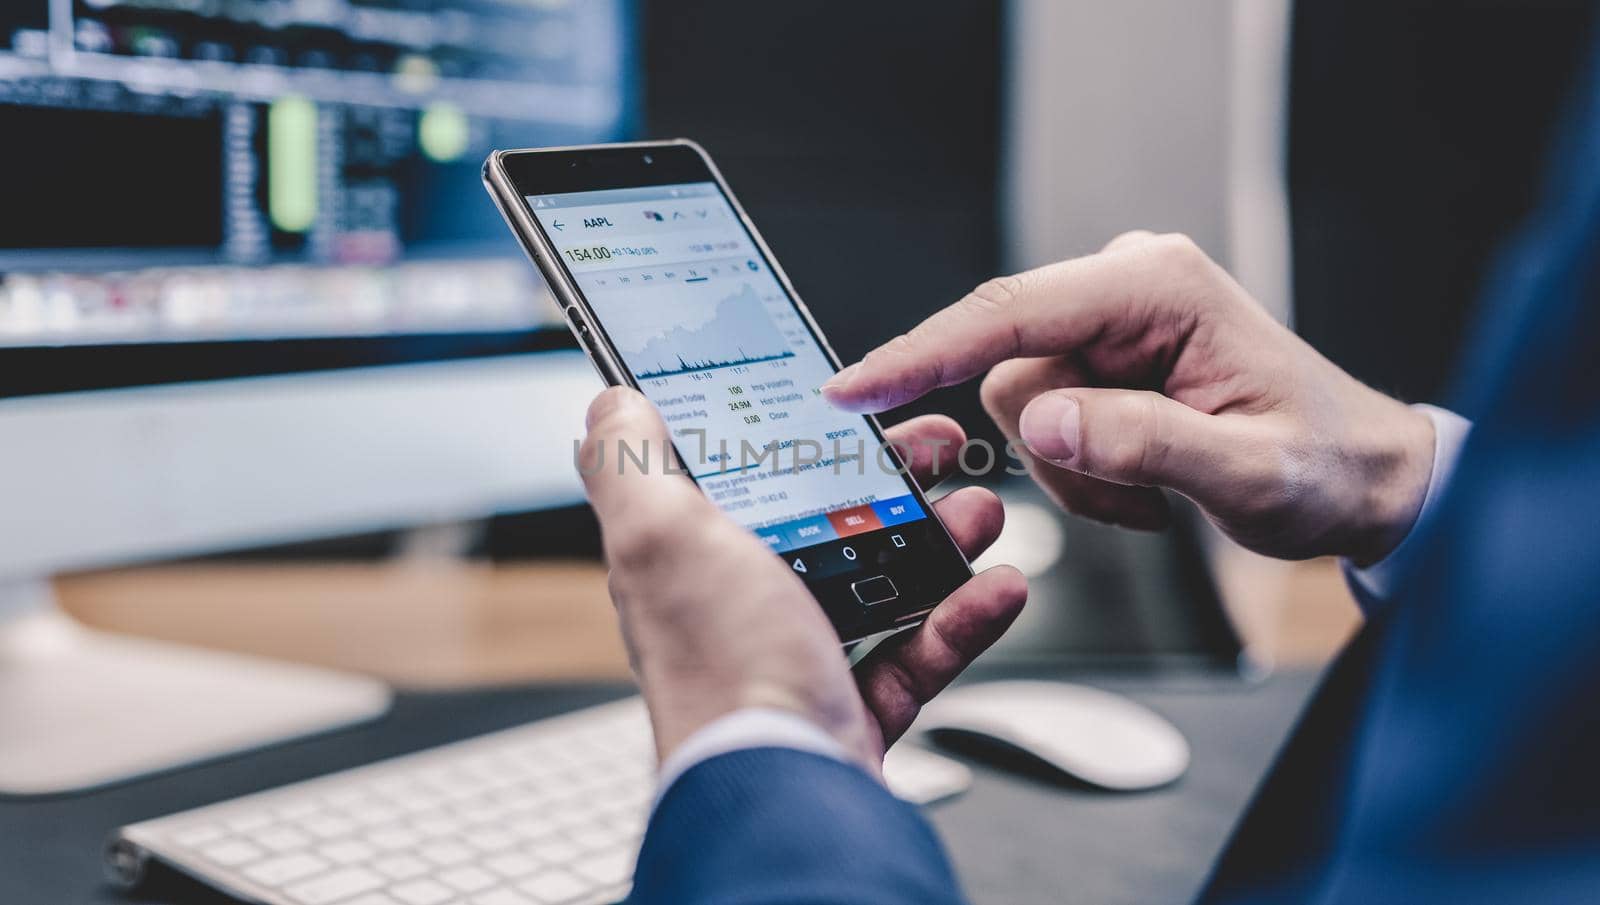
x: 177, y: 170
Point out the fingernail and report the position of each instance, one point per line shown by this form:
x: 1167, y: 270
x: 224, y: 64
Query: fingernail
x: 840, y: 380
x: 1050, y: 427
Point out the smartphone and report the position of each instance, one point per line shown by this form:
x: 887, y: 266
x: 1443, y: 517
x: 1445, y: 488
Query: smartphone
x: 670, y: 289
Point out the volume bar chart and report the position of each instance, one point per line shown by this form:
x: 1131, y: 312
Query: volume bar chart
x: 738, y: 332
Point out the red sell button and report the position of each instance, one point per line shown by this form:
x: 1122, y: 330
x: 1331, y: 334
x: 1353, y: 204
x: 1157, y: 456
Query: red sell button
x: 854, y: 521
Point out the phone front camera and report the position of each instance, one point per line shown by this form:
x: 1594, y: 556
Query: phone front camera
x: 648, y: 159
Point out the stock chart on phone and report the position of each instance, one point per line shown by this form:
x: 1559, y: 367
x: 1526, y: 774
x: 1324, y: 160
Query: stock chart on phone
x: 709, y: 332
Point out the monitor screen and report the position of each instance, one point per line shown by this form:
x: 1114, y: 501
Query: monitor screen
x: 221, y: 189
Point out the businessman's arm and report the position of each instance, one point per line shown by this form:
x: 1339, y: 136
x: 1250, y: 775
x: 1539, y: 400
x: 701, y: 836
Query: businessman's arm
x: 1146, y: 366
x: 717, y: 629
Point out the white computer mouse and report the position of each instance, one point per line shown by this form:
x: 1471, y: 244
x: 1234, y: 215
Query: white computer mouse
x: 1098, y: 737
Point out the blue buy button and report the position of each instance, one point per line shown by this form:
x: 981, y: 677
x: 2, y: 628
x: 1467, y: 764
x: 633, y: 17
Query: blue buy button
x: 897, y: 511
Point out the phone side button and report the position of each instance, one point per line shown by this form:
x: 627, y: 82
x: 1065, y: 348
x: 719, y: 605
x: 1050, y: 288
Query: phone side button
x: 877, y: 589
x: 584, y: 336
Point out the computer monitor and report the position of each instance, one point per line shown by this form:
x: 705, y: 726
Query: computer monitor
x: 252, y: 291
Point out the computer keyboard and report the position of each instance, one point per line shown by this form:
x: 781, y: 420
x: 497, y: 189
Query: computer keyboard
x: 550, y: 813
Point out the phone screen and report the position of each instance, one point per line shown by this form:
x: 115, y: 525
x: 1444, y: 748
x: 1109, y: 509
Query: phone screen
x: 708, y: 331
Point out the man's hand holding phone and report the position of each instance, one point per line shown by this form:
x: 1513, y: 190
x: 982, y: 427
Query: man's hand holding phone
x: 669, y: 289
x: 714, y: 622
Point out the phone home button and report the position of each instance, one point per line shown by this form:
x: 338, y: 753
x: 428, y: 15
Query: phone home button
x: 877, y: 589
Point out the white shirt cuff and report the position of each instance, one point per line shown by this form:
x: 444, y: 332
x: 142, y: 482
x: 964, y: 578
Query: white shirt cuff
x: 1376, y: 582
x: 752, y: 727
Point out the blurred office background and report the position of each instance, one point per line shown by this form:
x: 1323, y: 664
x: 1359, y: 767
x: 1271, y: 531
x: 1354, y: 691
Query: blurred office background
x: 1355, y: 163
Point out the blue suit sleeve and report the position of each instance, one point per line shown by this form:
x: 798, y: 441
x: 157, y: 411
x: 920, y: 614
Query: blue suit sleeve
x: 772, y: 826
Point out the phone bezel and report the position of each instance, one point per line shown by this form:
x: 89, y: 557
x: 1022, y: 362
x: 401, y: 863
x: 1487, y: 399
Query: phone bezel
x: 509, y: 196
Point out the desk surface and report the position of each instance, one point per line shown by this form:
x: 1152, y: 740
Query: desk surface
x: 434, y: 624
x: 428, y: 624
x: 1015, y: 839
x: 1032, y: 840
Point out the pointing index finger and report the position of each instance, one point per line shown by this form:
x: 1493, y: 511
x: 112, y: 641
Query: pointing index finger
x: 1048, y: 311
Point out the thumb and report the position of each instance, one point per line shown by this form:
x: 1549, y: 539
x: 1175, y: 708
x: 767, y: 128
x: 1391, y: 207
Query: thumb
x: 1132, y: 437
x: 627, y: 461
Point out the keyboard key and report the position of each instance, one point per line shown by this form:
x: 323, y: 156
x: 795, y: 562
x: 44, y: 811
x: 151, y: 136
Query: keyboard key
x: 298, y: 810
x: 589, y: 780
x: 502, y: 897
x: 511, y: 865
x: 533, y: 828
x: 509, y: 770
x: 554, y: 851
x: 347, y: 852
x: 327, y: 826
x: 401, y: 867
x: 286, y: 869
x: 397, y: 786
x: 281, y: 839
x: 344, y: 798
x: 521, y: 800
x: 457, y: 785
x: 336, y: 886
x: 201, y: 834
x: 570, y: 817
x: 420, y: 804
x: 606, y: 869
x: 434, y: 777
x: 554, y: 887
x: 631, y: 826
x: 569, y: 803
x: 422, y: 892
x: 373, y: 814
x: 249, y: 823
x: 611, y: 895
x: 479, y: 811
x: 619, y: 792
x: 372, y: 898
x: 594, y: 837
x: 436, y: 825
x: 490, y: 840
x: 481, y: 766
x: 232, y: 853
x: 446, y: 854
x: 468, y: 879
x: 395, y: 837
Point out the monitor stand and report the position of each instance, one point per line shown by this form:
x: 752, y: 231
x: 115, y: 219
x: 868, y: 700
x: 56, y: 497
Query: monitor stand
x: 81, y: 708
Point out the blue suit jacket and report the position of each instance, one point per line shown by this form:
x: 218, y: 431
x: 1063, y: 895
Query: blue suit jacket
x: 769, y: 826
x: 1453, y: 752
